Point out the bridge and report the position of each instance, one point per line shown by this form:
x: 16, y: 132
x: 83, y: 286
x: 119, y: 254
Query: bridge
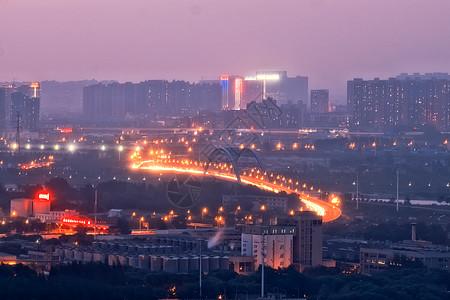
x: 223, y: 163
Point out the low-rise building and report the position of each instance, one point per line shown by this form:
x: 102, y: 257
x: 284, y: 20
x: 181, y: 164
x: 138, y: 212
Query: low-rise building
x: 57, y: 216
x: 405, y: 254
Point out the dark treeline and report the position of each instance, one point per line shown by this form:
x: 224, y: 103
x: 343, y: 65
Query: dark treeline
x: 97, y: 281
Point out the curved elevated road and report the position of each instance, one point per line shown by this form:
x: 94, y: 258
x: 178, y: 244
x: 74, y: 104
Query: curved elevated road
x: 328, y: 211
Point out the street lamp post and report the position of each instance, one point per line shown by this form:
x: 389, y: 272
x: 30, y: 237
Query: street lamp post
x: 95, y: 212
x: 140, y: 223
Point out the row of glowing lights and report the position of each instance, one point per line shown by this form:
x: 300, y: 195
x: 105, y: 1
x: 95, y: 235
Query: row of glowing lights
x: 282, y: 184
x: 219, y: 218
x: 72, y: 147
x: 374, y: 144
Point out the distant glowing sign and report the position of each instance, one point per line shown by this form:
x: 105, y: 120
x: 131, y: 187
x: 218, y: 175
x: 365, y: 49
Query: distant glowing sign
x: 65, y: 130
x: 35, y: 86
x: 268, y: 76
x: 224, y: 80
x: 263, y: 77
x: 238, y: 86
x: 43, y: 196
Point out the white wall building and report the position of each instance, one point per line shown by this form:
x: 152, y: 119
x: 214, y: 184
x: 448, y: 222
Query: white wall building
x: 275, y: 243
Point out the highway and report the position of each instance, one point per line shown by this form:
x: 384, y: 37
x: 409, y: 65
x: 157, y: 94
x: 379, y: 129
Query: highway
x: 269, y: 182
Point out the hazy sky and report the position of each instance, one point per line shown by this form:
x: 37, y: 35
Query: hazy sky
x: 330, y: 41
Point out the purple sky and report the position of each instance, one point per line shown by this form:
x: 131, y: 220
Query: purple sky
x: 330, y: 41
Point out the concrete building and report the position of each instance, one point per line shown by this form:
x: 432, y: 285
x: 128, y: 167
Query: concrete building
x: 381, y: 257
x: 271, y: 244
x: 22, y: 104
x: 23, y: 207
x: 404, y: 103
x: 320, y: 101
x: 308, y: 239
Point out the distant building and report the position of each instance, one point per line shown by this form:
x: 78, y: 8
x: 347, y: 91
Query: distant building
x: 20, y: 103
x: 399, y: 103
x: 271, y: 244
x: 239, y: 91
x: 283, y: 88
x: 320, y: 101
x: 292, y: 116
x: 232, y: 92
x: 375, y: 259
x: 63, y: 97
x: 3, y: 110
x: 149, y: 99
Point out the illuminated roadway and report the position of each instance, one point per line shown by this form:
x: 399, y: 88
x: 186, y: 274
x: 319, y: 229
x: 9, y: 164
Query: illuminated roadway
x: 328, y: 211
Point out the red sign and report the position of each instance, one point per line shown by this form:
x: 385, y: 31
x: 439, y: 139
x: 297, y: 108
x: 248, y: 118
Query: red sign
x: 65, y: 130
x: 43, y: 195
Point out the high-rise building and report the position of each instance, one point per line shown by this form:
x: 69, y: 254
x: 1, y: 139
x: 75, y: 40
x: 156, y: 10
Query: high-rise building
x: 149, y: 99
x: 292, y: 115
x: 376, y: 105
x: 308, y: 238
x: 232, y: 89
x: 205, y: 96
x: 320, y: 102
x: 238, y: 91
x: 253, y: 90
x: 63, y: 97
x: 283, y: 88
x: 3, y: 109
x: 24, y: 105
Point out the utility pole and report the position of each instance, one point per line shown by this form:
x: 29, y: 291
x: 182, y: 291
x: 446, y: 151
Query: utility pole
x: 95, y: 212
x: 263, y: 254
x: 200, y: 268
x: 397, y: 188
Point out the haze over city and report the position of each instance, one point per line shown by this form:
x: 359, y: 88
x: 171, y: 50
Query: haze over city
x: 330, y: 41
x: 205, y: 149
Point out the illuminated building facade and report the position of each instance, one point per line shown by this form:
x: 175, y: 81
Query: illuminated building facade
x: 320, y: 101
x: 232, y: 89
x: 404, y: 103
x: 283, y: 88
x: 274, y: 244
x: 23, y: 207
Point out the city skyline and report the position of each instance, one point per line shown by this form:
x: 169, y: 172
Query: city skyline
x: 208, y: 39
